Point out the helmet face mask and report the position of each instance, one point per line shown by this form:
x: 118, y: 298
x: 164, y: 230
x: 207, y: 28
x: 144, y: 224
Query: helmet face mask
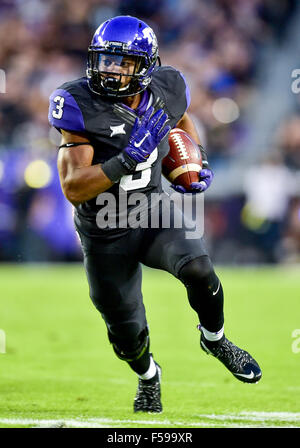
x: 121, y: 57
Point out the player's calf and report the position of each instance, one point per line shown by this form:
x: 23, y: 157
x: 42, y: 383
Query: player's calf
x: 205, y: 292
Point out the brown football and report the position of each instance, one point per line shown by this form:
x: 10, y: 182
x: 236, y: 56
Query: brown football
x: 184, y: 161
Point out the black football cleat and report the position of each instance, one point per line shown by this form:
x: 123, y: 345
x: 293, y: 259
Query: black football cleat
x: 237, y: 361
x: 148, y: 395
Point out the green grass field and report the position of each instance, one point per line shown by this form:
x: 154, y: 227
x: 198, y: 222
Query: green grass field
x: 59, y: 368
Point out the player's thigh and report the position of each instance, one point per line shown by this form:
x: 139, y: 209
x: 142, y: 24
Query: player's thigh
x: 170, y: 248
x: 114, y: 279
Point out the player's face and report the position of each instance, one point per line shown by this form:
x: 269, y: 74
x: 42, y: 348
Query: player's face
x: 125, y: 65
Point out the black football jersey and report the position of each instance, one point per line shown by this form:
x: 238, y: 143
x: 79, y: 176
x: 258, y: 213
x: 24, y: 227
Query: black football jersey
x: 107, y: 124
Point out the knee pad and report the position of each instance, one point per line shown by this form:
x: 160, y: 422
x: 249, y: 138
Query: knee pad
x: 130, y: 350
x: 199, y: 270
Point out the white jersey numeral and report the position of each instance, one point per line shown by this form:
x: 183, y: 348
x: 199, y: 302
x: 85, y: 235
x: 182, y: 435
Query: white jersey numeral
x: 128, y: 183
x: 58, y: 113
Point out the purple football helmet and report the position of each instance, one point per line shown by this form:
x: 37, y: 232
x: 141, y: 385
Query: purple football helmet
x: 121, y: 58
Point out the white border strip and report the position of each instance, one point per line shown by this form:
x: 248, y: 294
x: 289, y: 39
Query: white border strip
x: 256, y: 419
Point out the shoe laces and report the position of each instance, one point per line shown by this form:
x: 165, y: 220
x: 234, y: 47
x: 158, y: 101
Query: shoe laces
x: 148, y: 397
x: 149, y: 390
x: 231, y: 354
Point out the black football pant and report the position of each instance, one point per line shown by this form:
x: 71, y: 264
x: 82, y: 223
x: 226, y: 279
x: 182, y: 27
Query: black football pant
x: 114, y: 273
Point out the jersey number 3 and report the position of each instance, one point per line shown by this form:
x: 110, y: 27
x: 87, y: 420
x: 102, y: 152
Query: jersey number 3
x: 128, y: 183
x: 58, y: 111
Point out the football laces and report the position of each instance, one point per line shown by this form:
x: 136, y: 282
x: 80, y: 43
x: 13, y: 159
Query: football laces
x: 180, y: 146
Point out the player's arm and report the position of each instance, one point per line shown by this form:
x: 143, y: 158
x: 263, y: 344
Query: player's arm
x: 187, y: 125
x: 80, y: 180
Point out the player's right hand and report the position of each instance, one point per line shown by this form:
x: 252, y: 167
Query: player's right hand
x: 146, y: 135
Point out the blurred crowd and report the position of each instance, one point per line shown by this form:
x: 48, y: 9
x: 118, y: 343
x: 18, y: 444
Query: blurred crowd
x: 262, y: 224
x: 217, y: 44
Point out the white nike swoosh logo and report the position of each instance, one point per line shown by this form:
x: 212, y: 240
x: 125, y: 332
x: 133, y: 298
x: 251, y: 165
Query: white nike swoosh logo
x: 214, y: 293
x: 246, y: 375
x: 137, y: 145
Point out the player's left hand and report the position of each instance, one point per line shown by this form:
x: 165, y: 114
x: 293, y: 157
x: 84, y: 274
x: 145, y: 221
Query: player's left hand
x: 205, y: 179
x: 146, y: 135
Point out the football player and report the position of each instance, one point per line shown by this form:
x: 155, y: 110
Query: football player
x: 114, y: 124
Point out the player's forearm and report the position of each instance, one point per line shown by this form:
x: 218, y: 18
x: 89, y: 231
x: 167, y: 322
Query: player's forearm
x: 85, y: 183
x: 187, y: 125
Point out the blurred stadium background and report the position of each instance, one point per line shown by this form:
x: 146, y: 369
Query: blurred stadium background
x: 238, y: 57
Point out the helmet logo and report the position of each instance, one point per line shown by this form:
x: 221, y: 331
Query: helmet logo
x: 150, y: 36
